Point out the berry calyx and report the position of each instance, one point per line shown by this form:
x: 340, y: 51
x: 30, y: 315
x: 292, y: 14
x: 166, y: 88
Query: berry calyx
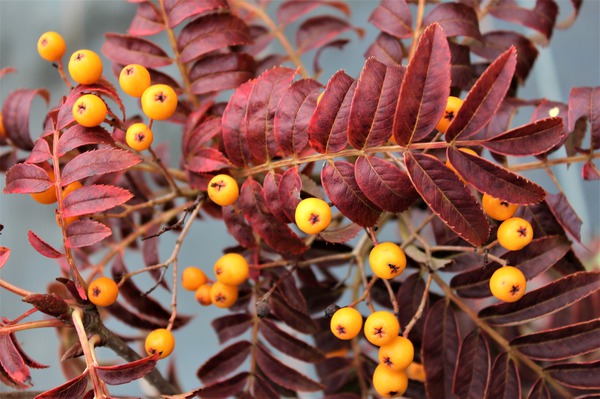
x: 51, y: 46
x: 313, y: 215
x: 160, y: 341
x: 103, y: 291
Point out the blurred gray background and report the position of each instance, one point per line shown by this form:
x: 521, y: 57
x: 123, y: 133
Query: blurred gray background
x: 573, y: 59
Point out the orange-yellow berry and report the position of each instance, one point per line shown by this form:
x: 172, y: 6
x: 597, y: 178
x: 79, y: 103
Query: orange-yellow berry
x: 508, y: 284
x: 222, y: 295
x: 160, y: 341
x: 76, y: 185
x: 381, y: 327
x: 497, y: 208
x: 231, y: 269
x: 515, y: 233
x: 223, y: 190
x: 159, y: 101
x: 203, y: 295
x: 452, y: 107
x: 416, y: 371
x: 2, y: 130
x: 85, y: 67
x: 47, y: 196
x: 134, y: 79
x: 103, y: 291
x: 89, y: 110
x: 387, y: 260
x: 51, y: 46
x: 346, y: 323
x: 139, y: 136
x: 192, y: 278
x: 389, y: 383
x: 312, y: 215
x: 397, y: 354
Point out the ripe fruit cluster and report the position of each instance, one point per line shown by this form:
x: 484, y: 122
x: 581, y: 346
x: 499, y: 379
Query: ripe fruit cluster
x: 230, y: 271
x: 313, y: 215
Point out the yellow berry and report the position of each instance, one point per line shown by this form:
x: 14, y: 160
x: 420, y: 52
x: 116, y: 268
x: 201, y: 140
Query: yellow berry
x: 452, y: 107
x: 387, y: 260
x: 508, y: 284
x: 134, y: 79
x: 139, y: 136
x: 515, y: 233
x: 85, y: 67
x: 346, y: 323
x: 103, y: 291
x: 312, y: 215
x: 497, y: 208
x: 160, y: 341
x: 51, y: 46
x: 223, y: 190
x: 389, y: 383
x: 159, y: 101
x: 231, y: 269
x: 381, y: 327
x: 192, y: 278
x: 89, y: 110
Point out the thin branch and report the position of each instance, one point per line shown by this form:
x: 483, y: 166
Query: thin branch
x: 419, y: 312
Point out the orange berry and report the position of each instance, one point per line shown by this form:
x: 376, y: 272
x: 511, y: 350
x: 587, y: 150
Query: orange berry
x: 463, y: 149
x: 387, y: 260
x: 346, y: 323
x: 381, y: 327
x: 51, y: 46
x: 89, y: 110
x: 139, y: 136
x: 68, y: 220
x: 231, y: 269
x: 416, y: 371
x: 389, y: 383
x: 2, y: 130
x: 159, y: 101
x: 452, y: 107
x: 223, y: 296
x: 103, y: 291
x: 397, y: 354
x: 134, y: 79
x: 203, y: 295
x: 312, y: 215
x: 497, y: 208
x: 508, y: 284
x: 160, y: 341
x: 71, y: 187
x: 49, y: 195
x: 192, y: 278
x: 223, y: 190
x: 515, y: 233
x: 85, y: 67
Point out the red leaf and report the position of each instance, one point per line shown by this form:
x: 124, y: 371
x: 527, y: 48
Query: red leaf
x: 271, y: 195
x: 50, y: 304
x: 4, y: 255
x: 473, y: 366
x: 544, y: 301
x: 539, y: 390
x: 494, y: 43
x: 288, y: 192
x: 74, y: 388
x: 179, y: 10
x: 151, y: 256
x: 317, y: 32
x: 94, y: 199
x: 283, y: 375
x: 78, y: 135
x: 531, y: 139
x: 224, y: 362
x: 560, y: 343
x: 584, y: 102
x: 238, y: 227
x: 260, y: 112
x: 456, y: 19
x: 12, y: 364
x: 98, y: 162
x: 385, y: 184
x: 590, y: 171
x: 206, y: 160
x: 484, y: 98
x: 576, y: 375
x: 25, y: 178
x: 209, y: 33
x: 504, y: 379
x: 448, y: 197
x: 289, y: 344
x: 565, y: 214
x: 393, y: 17
x: 42, y: 246
x: 374, y: 104
x: 541, y: 18
x: 15, y: 115
x: 293, y: 115
x: 340, y: 186
x: 200, y: 136
x: 124, y: 373
x: 147, y: 20
x: 234, y: 125
x: 328, y: 127
x: 219, y: 72
x: 495, y: 180
x: 137, y: 320
x: 409, y: 298
x: 386, y: 49
x: 425, y: 88
x: 126, y: 49
x: 291, y: 10
x: 40, y: 152
x: 83, y: 233
x: 225, y: 388
x: 461, y: 70
x: 231, y: 326
x: 293, y: 317
x: 440, y: 349
x: 277, y: 235
x: 341, y: 234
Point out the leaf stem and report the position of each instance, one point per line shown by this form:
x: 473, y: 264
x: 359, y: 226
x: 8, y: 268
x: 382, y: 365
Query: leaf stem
x: 31, y: 325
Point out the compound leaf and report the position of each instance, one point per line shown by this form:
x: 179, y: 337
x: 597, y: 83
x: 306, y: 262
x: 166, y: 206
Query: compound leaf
x: 97, y: 162
x: 224, y: 362
x: 127, y: 49
x: 94, y: 198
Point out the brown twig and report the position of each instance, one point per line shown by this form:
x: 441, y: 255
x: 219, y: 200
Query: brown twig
x: 419, y: 312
